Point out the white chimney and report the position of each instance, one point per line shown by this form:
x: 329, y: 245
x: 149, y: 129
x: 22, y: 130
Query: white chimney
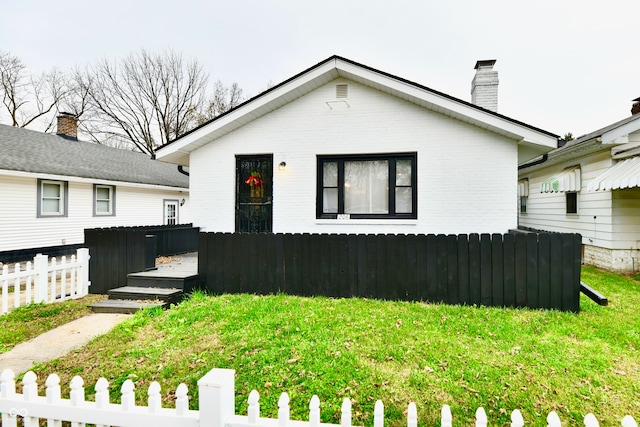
x: 484, y: 86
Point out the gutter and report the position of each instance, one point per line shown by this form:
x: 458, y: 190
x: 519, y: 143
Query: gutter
x: 544, y: 158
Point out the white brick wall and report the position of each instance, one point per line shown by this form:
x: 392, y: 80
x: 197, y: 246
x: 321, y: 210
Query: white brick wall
x: 467, y: 177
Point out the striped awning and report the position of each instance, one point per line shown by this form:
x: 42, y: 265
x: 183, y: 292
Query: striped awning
x: 567, y: 180
x: 624, y: 174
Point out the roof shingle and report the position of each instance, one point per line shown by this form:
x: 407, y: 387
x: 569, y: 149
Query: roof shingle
x: 36, y: 152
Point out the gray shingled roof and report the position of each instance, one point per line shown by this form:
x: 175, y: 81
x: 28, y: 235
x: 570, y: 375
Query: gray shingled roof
x: 30, y: 151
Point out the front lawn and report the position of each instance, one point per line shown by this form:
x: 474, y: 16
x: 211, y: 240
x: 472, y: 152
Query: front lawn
x: 398, y: 352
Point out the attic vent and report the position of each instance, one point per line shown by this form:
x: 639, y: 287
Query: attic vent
x: 342, y: 91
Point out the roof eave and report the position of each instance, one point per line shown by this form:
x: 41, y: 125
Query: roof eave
x: 178, y: 151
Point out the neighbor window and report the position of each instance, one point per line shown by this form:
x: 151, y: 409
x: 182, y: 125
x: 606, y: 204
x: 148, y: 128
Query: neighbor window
x: 52, y: 198
x: 572, y: 203
x: 523, y: 204
x: 104, y: 200
x: 367, y: 186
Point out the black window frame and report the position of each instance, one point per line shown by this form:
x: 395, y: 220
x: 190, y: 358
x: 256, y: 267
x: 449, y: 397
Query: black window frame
x: 391, y: 158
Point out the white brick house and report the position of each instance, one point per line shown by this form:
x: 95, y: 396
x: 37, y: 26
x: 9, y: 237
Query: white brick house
x: 344, y: 148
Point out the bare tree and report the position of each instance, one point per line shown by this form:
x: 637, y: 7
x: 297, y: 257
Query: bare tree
x: 223, y: 99
x: 27, y: 98
x: 146, y: 99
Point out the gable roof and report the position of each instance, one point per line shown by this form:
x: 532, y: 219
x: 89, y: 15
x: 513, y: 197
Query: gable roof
x: 34, y: 152
x: 535, y: 141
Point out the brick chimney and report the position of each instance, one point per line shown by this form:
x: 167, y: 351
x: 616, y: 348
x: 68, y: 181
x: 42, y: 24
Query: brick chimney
x: 635, y: 108
x: 484, y: 86
x: 68, y: 126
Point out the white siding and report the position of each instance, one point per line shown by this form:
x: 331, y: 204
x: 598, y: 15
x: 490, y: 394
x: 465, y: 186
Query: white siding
x: 466, y: 176
x: 20, y: 228
x: 626, y: 223
x: 547, y: 211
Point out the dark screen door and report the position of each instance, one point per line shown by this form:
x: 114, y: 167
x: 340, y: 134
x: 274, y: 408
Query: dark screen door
x: 254, y: 193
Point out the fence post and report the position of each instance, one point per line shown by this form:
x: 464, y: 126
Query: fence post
x: 216, y: 398
x: 83, y: 271
x: 41, y: 271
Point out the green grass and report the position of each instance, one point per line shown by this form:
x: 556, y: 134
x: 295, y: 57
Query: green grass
x: 398, y: 352
x: 27, y: 322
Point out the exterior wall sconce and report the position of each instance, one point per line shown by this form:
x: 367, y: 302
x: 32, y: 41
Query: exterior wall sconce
x: 282, y: 166
x: 182, y: 202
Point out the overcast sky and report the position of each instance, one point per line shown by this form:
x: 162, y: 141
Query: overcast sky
x: 564, y: 65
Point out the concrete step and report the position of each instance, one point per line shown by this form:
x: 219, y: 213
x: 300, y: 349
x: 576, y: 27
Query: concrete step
x: 125, y: 306
x: 155, y: 279
x: 136, y: 293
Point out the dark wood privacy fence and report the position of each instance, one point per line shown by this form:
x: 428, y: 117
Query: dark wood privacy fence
x: 512, y: 270
x: 118, y: 251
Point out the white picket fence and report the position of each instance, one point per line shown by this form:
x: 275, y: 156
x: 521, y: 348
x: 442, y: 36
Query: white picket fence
x: 216, y: 402
x: 44, y: 280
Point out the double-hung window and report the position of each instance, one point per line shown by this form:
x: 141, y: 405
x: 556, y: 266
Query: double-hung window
x: 104, y: 200
x: 52, y: 198
x: 367, y: 186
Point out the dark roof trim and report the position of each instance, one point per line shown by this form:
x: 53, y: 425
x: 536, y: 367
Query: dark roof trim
x: 400, y: 79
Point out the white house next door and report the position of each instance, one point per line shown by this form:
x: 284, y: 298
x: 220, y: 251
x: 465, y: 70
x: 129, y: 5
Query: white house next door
x: 170, y: 212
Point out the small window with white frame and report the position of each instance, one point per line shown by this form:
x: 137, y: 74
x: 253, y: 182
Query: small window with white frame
x: 104, y: 200
x: 523, y: 192
x: 52, y: 198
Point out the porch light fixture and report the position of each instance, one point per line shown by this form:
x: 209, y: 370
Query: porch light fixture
x: 282, y: 166
x: 182, y: 202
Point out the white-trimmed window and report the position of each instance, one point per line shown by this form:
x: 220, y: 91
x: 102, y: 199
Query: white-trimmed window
x: 367, y: 186
x: 523, y: 193
x: 52, y: 198
x: 104, y: 200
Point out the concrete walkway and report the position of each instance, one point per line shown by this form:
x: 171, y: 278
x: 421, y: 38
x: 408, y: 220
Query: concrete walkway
x: 59, y: 341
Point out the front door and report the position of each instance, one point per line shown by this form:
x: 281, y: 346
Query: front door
x: 254, y: 193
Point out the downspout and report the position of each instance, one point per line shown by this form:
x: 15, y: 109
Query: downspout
x: 544, y: 158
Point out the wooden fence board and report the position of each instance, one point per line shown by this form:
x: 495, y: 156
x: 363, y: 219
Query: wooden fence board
x: 497, y: 270
x: 521, y: 270
x: 411, y: 255
x: 532, y: 289
x: 453, y: 295
x: 432, y: 268
x: 463, y: 268
x: 474, y: 269
x: 486, y: 292
x: 441, y: 268
x: 509, y: 264
x: 568, y: 273
x: 555, y: 271
x: 422, y: 286
x: 544, y: 259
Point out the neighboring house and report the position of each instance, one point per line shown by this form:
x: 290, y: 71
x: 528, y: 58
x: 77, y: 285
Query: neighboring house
x: 52, y: 187
x: 345, y: 148
x: 590, y: 186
